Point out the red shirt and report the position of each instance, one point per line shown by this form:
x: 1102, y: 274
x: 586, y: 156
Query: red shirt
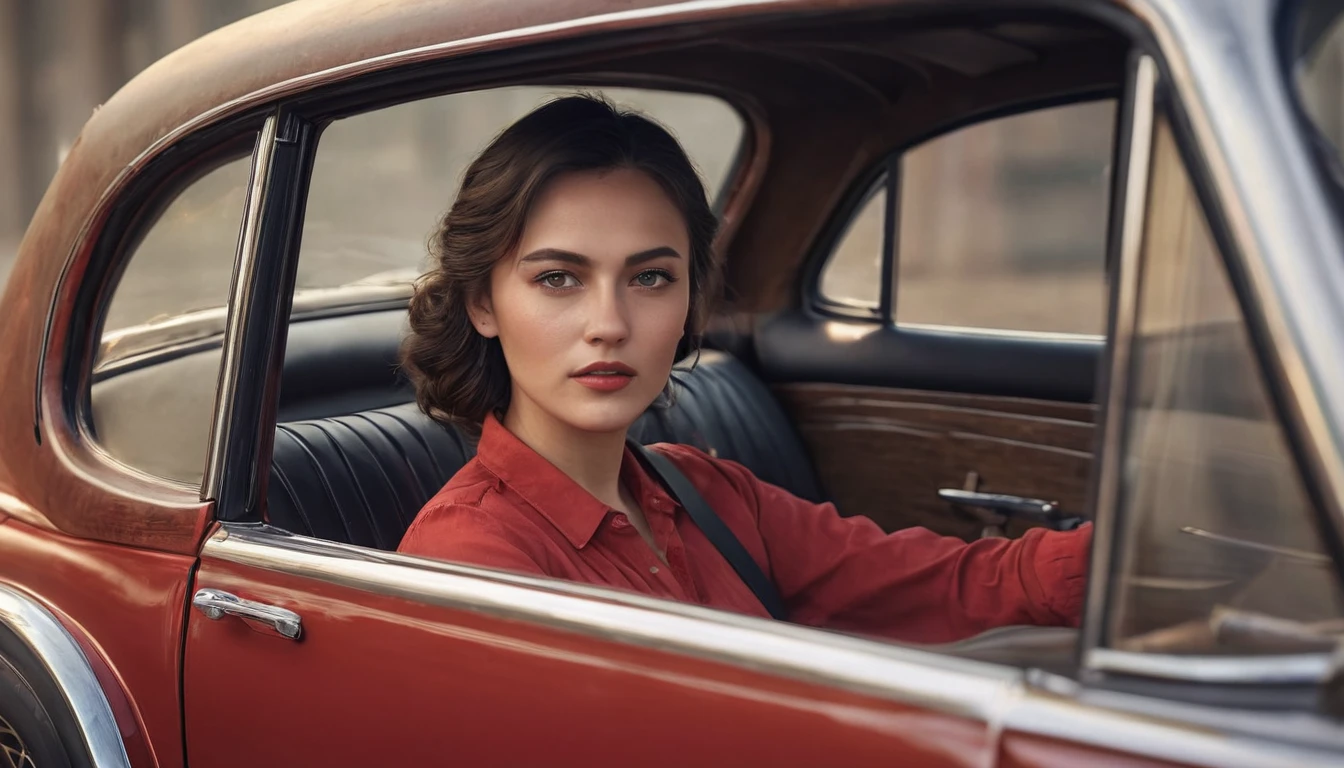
x: 510, y: 508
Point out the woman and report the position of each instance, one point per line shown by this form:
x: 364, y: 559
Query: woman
x: 575, y: 260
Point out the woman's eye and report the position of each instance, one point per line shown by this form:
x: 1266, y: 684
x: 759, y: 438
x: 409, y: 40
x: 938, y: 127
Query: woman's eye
x: 558, y: 280
x: 652, y: 278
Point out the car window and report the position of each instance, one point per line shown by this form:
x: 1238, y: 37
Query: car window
x: 383, y: 179
x: 1001, y: 226
x: 184, y: 262
x: 1218, y: 528
x: 170, y: 296
x: 852, y: 275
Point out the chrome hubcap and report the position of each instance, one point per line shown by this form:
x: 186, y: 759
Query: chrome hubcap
x: 13, y: 752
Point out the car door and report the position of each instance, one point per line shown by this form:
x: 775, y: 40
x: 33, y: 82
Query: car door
x: 951, y: 324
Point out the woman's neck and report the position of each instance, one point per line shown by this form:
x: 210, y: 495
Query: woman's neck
x: 591, y: 459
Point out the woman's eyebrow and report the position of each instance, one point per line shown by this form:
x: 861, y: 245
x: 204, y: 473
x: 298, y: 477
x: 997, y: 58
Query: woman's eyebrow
x: 579, y: 260
x: 555, y: 254
x: 650, y: 255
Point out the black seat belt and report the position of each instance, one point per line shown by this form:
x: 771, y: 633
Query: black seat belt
x: 714, y: 529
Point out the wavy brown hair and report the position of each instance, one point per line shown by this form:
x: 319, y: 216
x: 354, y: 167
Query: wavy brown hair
x: 459, y: 375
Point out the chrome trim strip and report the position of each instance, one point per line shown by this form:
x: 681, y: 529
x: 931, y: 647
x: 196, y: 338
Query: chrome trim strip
x: 1173, y: 732
x: 959, y: 687
x: 64, y: 661
x: 1300, y: 668
x: 1002, y: 333
x: 1111, y: 457
x: 244, y: 280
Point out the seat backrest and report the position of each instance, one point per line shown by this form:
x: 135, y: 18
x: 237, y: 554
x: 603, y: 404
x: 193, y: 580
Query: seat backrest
x: 361, y: 478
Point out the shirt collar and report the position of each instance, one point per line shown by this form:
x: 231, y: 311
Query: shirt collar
x: 564, y: 503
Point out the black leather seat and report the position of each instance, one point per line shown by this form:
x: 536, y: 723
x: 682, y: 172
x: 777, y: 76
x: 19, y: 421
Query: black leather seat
x: 361, y: 478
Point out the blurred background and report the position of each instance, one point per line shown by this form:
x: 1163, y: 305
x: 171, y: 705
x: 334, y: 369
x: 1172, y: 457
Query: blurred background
x: 61, y: 58
x: 1014, y: 205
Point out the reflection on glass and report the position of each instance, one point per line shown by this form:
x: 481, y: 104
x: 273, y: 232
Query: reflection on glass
x: 1320, y: 78
x: 156, y: 418
x: 185, y: 260
x: 1003, y: 223
x: 1221, y: 553
x: 383, y: 179
x: 853, y: 272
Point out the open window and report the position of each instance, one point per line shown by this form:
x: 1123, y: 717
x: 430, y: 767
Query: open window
x: 999, y: 225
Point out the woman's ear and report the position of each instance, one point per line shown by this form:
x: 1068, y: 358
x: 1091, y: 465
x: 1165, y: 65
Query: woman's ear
x: 482, y: 316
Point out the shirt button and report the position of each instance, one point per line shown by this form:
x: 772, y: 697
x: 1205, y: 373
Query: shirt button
x: 653, y: 569
x: 620, y: 521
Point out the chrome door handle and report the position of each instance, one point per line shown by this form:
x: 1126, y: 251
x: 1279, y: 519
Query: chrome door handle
x: 216, y: 604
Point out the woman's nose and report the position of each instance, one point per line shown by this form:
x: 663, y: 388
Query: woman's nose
x: 608, y: 321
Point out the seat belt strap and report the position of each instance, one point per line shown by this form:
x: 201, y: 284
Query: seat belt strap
x: 718, y: 532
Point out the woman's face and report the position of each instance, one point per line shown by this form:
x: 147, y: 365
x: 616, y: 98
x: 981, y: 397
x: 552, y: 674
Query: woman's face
x: 591, y: 306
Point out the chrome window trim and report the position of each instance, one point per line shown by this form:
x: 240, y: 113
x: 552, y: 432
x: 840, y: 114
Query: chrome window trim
x: 1004, y: 333
x: 65, y: 663
x: 1172, y: 732
x: 1110, y: 458
x: 1289, y: 669
x: 959, y: 687
x: 244, y: 283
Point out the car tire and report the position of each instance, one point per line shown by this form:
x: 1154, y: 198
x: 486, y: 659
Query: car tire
x: 28, y: 735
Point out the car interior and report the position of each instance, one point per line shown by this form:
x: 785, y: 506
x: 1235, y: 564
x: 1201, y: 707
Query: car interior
x: 832, y: 401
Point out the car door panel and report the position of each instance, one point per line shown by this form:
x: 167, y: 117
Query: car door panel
x: 386, y: 679
x: 891, y: 415
x: 885, y: 452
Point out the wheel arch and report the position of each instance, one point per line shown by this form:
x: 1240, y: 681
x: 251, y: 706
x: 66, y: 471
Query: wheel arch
x: 36, y: 641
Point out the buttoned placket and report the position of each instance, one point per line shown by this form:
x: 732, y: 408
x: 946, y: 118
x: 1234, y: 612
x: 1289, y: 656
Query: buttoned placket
x: 664, y: 527
x: 621, y: 525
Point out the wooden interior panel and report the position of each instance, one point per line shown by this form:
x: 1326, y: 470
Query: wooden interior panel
x: 884, y: 453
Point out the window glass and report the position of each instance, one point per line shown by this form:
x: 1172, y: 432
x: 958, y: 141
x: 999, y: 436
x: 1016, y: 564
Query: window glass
x: 1320, y: 71
x: 185, y: 260
x: 1003, y: 223
x: 383, y: 179
x: 157, y: 366
x: 1219, y: 530
x: 852, y: 274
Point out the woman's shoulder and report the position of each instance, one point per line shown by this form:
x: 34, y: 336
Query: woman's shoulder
x: 706, y: 469
x: 469, y: 486
x: 460, y: 511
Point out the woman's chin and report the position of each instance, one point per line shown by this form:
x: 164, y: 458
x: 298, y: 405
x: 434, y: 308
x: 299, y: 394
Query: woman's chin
x: 604, y: 417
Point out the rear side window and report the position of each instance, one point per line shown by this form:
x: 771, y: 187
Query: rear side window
x: 157, y: 365
x: 1000, y: 225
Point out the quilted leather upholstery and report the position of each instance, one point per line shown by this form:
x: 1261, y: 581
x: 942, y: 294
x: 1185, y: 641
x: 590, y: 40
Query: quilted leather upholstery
x: 361, y: 478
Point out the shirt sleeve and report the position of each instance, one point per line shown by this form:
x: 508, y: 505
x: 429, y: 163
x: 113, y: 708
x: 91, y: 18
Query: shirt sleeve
x: 913, y: 585
x: 465, y: 533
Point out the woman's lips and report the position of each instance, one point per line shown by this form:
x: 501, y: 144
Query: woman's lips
x: 604, y: 382
x: 605, y: 376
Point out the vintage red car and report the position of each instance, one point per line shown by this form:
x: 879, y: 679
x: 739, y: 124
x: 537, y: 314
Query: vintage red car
x: 991, y: 265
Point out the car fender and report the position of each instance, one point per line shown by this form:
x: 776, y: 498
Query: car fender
x: 61, y: 673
